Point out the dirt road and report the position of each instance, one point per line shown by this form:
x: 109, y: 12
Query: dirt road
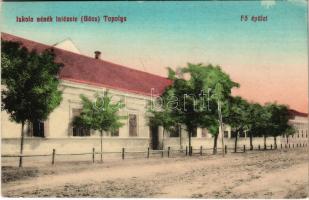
x: 263, y: 174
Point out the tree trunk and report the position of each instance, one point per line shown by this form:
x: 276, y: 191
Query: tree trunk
x: 163, y: 139
x: 101, y: 137
x: 236, y: 138
x: 264, y: 141
x: 21, y: 144
x: 275, y: 142
x: 215, y: 144
x: 251, y: 143
x: 221, y: 127
x: 190, y: 134
x: 180, y: 139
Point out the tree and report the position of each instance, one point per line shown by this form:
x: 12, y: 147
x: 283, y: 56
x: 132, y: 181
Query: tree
x: 256, y: 119
x: 189, y: 86
x: 259, y: 122
x: 278, y: 121
x: 238, y: 116
x: 214, y: 131
x: 100, y: 114
x: 30, y: 82
x: 162, y: 118
x: 220, y: 86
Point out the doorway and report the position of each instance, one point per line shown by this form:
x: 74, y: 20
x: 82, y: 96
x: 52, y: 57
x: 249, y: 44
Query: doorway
x: 154, y: 137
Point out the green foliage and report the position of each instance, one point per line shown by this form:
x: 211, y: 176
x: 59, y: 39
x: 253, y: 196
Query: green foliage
x: 268, y: 120
x: 100, y: 114
x: 198, y: 88
x: 258, y: 119
x: 213, y: 128
x: 30, y: 82
x: 162, y: 118
x: 289, y: 131
x: 278, y: 121
x: 238, y: 116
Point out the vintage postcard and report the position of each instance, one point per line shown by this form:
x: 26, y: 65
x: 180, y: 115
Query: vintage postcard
x: 154, y: 99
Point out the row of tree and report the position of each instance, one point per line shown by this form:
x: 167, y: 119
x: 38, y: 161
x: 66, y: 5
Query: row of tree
x: 200, y: 96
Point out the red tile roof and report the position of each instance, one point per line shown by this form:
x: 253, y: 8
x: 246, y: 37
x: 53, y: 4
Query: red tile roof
x: 83, y: 69
x: 297, y: 113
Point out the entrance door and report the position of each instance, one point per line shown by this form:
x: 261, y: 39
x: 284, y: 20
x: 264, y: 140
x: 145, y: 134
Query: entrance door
x: 154, y: 137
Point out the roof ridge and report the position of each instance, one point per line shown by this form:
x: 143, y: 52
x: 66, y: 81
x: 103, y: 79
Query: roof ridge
x: 101, y: 60
x: 298, y: 113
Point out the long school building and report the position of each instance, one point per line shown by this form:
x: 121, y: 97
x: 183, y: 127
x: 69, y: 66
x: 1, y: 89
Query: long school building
x: 87, y: 75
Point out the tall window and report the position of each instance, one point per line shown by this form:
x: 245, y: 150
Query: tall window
x: 79, y: 130
x: 302, y: 133
x: 226, y: 134
x: 204, y: 132
x: 132, y: 125
x: 194, y: 133
x: 233, y: 134
x: 38, y: 128
x: 175, y: 132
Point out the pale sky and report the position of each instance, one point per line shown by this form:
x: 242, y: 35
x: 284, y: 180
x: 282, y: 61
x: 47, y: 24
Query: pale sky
x: 268, y: 59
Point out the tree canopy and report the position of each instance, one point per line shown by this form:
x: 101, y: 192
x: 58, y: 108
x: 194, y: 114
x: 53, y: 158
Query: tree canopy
x: 193, y: 97
x: 100, y: 114
x: 200, y: 96
x: 30, y: 82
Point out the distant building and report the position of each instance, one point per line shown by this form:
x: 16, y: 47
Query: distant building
x: 300, y: 122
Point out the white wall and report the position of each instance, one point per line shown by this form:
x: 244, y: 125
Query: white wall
x: 58, y: 129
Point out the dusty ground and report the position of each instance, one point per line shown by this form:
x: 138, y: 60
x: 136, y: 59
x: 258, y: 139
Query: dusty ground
x: 263, y: 174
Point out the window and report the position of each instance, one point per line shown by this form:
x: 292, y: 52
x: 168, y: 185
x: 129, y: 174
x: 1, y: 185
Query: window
x: 233, y: 134
x: 194, y: 133
x: 204, y: 132
x: 79, y: 130
x: 226, y: 134
x: 115, y: 133
x: 242, y: 134
x: 132, y: 125
x: 175, y: 132
x: 38, y: 128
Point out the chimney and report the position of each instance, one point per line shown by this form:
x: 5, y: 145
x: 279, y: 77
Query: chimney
x: 97, y: 54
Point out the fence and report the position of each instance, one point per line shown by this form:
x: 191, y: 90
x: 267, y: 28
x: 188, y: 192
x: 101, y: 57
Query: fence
x: 169, y: 152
